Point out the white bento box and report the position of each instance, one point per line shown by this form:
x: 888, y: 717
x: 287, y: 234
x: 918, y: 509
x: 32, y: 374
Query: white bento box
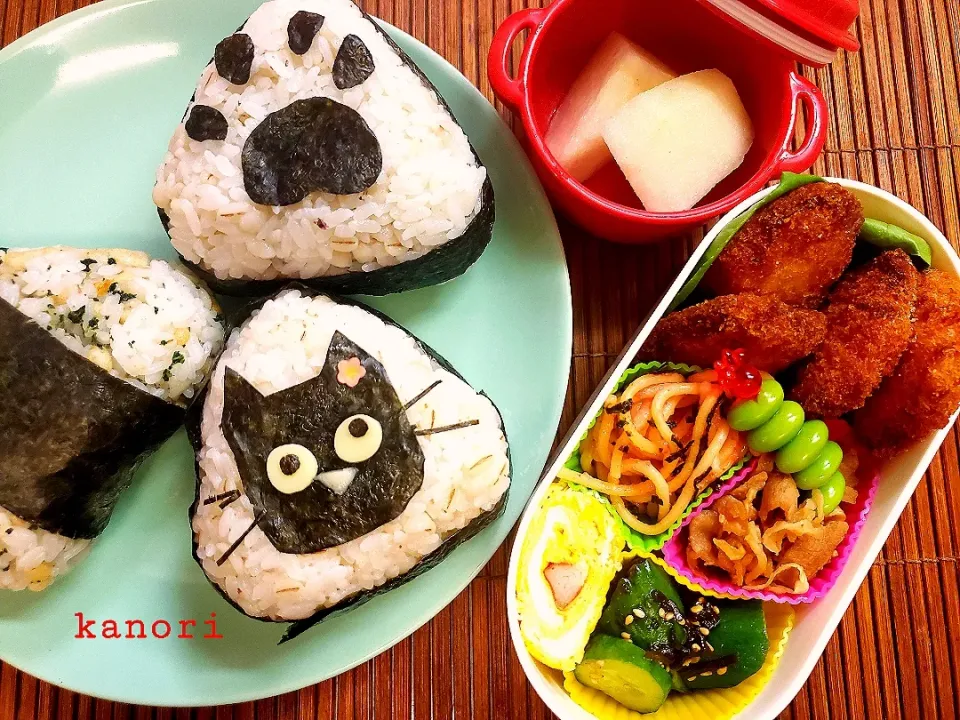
x: 815, y: 622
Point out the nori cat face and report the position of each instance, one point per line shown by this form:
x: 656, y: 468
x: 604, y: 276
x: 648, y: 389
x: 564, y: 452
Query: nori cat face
x: 324, y: 513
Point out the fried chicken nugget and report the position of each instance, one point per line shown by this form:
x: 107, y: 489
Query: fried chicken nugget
x: 869, y: 325
x: 795, y: 248
x: 924, y: 391
x: 773, y: 334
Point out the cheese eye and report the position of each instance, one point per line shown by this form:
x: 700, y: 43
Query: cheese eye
x: 357, y: 438
x: 291, y: 468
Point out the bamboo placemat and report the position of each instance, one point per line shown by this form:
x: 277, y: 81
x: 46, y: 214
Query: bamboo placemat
x: 895, y: 123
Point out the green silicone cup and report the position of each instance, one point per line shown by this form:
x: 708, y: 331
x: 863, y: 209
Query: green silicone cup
x: 636, y: 541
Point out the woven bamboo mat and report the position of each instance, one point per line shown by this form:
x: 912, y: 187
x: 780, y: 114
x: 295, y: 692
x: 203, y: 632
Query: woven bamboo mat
x: 895, y: 123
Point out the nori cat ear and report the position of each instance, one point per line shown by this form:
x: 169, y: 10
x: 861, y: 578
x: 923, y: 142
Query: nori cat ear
x: 342, y: 349
x: 236, y: 387
x: 245, y: 409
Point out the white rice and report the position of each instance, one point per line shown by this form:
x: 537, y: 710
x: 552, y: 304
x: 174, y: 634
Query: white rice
x: 31, y: 557
x: 466, y: 472
x: 427, y: 193
x: 140, y: 320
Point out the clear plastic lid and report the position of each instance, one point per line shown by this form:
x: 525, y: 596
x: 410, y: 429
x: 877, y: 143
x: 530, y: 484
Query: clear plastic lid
x: 810, y: 30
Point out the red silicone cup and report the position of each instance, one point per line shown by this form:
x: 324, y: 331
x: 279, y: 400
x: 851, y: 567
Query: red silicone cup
x: 562, y: 37
x: 674, y: 553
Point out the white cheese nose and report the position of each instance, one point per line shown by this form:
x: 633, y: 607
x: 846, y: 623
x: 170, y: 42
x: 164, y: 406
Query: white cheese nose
x: 338, y: 480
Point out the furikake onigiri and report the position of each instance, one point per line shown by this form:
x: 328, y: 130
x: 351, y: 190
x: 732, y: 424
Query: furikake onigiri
x: 101, y: 352
x: 315, y: 149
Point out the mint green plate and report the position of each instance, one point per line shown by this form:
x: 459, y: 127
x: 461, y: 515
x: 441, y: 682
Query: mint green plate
x: 89, y: 103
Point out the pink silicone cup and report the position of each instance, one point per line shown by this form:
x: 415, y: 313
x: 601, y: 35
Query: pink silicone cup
x: 675, y: 556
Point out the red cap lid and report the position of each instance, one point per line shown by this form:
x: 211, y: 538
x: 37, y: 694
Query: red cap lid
x: 810, y: 30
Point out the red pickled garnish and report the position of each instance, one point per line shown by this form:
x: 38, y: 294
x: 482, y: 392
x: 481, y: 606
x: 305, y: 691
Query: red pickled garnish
x: 736, y: 376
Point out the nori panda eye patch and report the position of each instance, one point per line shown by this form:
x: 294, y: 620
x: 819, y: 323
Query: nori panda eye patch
x: 351, y: 493
x: 206, y: 123
x: 311, y: 145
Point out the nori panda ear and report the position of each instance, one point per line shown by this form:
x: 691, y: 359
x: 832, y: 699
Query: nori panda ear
x: 233, y: 58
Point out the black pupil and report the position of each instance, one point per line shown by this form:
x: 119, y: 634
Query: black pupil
x: 358, y: 427
x: 289, y: 464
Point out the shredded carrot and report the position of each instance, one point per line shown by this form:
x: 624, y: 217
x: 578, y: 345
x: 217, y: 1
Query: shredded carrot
x: 657, y: 444
x: 603, y: 447
x: 616, y: 463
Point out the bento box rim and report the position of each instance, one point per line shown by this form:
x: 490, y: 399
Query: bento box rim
x: 789, y: 686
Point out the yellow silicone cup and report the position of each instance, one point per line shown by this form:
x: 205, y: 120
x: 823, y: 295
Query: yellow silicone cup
x: 680, y: 579
x: 685, y: 581
x: 718, y: 704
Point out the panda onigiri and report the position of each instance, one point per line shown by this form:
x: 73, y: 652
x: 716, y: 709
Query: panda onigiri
x: 314, y: 149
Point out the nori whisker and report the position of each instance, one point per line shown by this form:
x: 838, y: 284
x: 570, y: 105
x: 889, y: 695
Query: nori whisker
x: 236, y: 544
x: 231, y: 499
x: 480, y: 462
x: 216, y: 498
x: 419, y: 397
x: 447, y: 428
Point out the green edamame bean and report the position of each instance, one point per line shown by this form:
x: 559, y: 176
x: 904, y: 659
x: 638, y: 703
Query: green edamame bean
x: 751, y: 414
x: 804, y: 448
x: 778, y: 430
x: 832, y: 491
x: 823, y: 467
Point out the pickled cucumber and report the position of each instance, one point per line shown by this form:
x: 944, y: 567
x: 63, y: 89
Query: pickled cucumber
x: 620, y: 669
x: 733, y: 650
x: 646, y: 605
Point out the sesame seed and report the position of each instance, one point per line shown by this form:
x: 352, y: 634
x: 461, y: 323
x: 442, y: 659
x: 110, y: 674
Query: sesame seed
x: 639, y: 613
x: 625, y: 635
x: 682, y: 622
x: 696, y: 609
x: 669, y: 616
x: 663, y: 613
x: 707, y: 673
x: 695, y: 647
x: 709, y: 647
x: 628, y: 619
x: 691, y: 679
x: 722, y: 671
x: 704, y: 631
